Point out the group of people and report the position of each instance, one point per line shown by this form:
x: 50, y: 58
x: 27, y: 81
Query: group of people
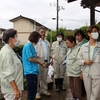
x: 83, y: 63
x: 75, y: 55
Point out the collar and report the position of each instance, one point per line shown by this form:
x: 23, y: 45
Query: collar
x: 29, y: 42
x: 60, y: 43
x: 74, y: 47
x: 97, y: 44
x: 71, y: 49
x: 41, y: 39
x: 81, y: 41
x: 7, y: 45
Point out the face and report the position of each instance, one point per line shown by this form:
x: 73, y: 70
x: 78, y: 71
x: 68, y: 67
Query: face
x: 69, y: 44
x: 42, y: 33
x: 93, y: 30
x: 59, y: 36
x: 79, y: 38
x: 13, y: 40
x: 37, y: 40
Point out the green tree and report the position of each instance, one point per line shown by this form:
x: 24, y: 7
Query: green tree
x: 18, y: 50
x: 84, y: 29
x: 52, y: 34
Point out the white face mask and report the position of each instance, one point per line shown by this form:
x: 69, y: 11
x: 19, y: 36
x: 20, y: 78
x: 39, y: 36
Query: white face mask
x: 34, y: 44
x: 17, y: 42
x: 76, y: 41
x: 59, y: 39
x: 95, y: 35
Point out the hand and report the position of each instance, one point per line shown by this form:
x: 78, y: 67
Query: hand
x: 81, y: 76
x: 52, y: 63
x: 48, y: 64
x: 88, y: 62
x: 38, y: 57
x: 17, y: 94
x: 43, y: 64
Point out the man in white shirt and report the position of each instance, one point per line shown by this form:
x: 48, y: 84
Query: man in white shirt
x: 43, y: 52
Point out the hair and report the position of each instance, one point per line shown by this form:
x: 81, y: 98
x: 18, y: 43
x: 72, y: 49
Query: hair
x: 41, y: 28
x: 34, y: 36
x: 9, y: 33
x: 71, y: 39
x: 79, y: 32
x: 91, y: 27
x: 60, y: 33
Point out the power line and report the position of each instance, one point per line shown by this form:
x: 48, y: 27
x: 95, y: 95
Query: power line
x: 47, y: 13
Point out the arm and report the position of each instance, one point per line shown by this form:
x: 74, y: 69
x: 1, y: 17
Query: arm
x: 31, y: 55
x: 16, y: 90
x: 80, y: 60
x: 8, y: 74
x: 37, y: 61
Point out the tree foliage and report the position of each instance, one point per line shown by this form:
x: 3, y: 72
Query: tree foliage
x: 84, y: 29
x: 52, y: 35
x: 18, y: 50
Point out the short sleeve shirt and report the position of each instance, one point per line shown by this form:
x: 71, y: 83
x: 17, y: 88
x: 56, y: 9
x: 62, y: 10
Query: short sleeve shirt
x: 29, y: 52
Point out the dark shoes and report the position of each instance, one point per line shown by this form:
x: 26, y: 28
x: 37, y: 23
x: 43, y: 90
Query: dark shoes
x: 59, y: 85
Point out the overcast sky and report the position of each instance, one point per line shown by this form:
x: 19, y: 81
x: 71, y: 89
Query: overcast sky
x: 74, y: 16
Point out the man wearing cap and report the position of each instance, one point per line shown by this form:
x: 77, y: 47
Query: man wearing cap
x: 58, y: 52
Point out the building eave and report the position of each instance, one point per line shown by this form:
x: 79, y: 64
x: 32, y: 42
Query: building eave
x: 2, y: 29
x: 31, y: 20
x: 86, y: 3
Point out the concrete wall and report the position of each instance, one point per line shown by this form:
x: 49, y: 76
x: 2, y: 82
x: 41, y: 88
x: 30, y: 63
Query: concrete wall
x: 23, y: 25
x: 23, y: 37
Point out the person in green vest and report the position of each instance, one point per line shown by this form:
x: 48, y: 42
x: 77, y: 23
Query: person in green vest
x: 81, y: 39
x: 73, y: 69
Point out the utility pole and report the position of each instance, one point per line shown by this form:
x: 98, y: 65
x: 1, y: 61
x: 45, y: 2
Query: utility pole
x: 57, y: 15
x: 58, y: 8
x: 92, y: 12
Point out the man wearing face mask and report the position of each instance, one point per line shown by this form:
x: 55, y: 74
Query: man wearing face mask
x: 43, y: 52
x: 58, y: 52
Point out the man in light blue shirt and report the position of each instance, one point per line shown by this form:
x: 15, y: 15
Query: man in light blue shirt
x: 43, y: 51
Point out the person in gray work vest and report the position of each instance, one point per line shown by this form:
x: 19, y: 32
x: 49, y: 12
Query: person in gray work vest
x: 43, y: 52
x: 58, y: 52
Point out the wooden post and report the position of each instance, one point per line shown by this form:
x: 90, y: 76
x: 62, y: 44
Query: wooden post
x: 92, y: 12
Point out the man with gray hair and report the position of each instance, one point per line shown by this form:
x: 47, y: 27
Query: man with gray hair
x: 43, y: 52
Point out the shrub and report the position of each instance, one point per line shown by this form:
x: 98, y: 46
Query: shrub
x: 18, y: 50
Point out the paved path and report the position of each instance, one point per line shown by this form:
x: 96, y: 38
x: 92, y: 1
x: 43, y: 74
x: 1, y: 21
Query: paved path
x: 54, y: 95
